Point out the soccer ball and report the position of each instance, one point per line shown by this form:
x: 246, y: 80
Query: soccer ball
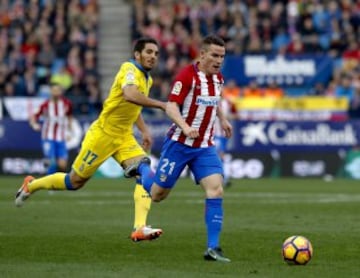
x: 297, y: 250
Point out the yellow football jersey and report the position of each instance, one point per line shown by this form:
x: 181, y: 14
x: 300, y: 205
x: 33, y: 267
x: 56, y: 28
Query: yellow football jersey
x: 118, y: 115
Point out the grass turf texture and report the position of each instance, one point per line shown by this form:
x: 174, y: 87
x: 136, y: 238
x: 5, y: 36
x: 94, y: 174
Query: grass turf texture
x: 85, y: 233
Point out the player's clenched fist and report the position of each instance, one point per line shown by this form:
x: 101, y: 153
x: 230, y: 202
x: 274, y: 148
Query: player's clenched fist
x: 191, y: 132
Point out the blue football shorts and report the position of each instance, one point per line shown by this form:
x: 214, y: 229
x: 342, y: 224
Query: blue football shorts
x: 175, y: 156
x: 54, y: 149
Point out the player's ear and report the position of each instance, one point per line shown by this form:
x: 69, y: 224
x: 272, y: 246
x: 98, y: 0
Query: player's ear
x: 137, y: 55
x: 202, y: 52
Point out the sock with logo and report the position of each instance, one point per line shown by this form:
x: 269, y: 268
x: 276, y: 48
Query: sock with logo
x: 142, y: 203
x: 213, y: 219
x: 147, y: 176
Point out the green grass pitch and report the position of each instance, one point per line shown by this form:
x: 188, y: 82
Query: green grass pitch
x: 85, y: 233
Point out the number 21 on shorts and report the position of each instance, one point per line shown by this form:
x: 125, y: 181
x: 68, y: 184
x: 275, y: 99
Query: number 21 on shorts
x: 167, y: 166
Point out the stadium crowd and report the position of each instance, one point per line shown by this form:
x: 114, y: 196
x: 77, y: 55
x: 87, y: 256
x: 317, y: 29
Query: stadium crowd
x: 254, y: 27
x: 50, y: 41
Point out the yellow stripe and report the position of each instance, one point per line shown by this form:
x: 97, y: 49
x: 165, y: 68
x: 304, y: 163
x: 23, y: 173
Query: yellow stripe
x: 301, y: 103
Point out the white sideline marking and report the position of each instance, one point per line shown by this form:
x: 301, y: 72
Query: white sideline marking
x: 249, y: 198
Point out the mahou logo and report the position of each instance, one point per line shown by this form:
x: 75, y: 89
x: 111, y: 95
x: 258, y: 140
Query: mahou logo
x: 280, y: 134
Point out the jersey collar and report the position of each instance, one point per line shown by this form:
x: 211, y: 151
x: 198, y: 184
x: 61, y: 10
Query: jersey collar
x: 140, y: 67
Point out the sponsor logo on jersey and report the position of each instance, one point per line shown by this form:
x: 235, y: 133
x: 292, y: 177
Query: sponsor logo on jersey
x: 176, y: 88
x: 207, y: 101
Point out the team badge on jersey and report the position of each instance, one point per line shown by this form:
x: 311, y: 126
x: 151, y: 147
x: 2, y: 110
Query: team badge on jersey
x: 130, y: 77
x: 163, y: 178
x: 219, y: 86
x: 176, y: 88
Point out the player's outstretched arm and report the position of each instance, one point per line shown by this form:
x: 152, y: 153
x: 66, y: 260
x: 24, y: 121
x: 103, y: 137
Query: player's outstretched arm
x: 173, y: 111
x: 131, y: 94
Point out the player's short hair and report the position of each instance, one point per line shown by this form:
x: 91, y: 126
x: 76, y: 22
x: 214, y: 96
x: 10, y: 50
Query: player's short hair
x: 140, y: 43
x: 212, y: 39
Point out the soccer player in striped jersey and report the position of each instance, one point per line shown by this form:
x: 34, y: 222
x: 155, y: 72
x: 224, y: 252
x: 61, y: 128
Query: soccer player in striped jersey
x: 111, y: 135
x: 56, y: 113
x: 193, y: 107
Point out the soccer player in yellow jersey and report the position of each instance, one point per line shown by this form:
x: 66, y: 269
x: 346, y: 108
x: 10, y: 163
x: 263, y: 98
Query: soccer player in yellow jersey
x: 112, y: 135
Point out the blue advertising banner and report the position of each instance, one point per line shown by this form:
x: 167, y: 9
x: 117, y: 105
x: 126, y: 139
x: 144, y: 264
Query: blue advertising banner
x: 249, y: 136
x: 18, y: 135
x: 287, y: 71
x: 257, y: 148
x: 265, y: 136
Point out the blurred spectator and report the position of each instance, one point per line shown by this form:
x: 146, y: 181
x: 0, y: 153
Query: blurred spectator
x: 43, y: 41
x: 345, y: 88
x: 263, y: 26
x: 331, y: 88
x: 62, y: 77
x: 354, y: 109
x: 231, y: 90
x: 273, y: 91
x: 255, y: 27
x: 252, y: 90
x: 317, y: 90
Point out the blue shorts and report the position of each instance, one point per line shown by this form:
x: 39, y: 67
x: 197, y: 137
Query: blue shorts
x: 202, y: 162
x: 54, y: 150
x: 221, y: 143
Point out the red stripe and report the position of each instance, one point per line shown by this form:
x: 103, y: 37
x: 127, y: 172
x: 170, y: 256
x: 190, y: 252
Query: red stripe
x: 210, y: 143
x: 207, y: 117
x: 193, y: 107
x: 63, y: 119
x: 56, y: 124
x: 45, y: 113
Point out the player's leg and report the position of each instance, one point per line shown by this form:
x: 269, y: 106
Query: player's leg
x: 207, y: 169
x: 221, y: 146
x: 172, y: 161
x: 49, y: 151
x: 61, y: 156
x: 96, y: 148
x: 129, y: 153
x: 56, y: 181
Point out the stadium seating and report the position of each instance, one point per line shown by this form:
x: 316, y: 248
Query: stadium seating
x: 45, y: 41
x: 257, y: 27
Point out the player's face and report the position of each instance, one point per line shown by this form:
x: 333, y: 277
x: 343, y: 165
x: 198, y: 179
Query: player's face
x: 148, y: 57
x: 211, y: 59
x: 56, y: 91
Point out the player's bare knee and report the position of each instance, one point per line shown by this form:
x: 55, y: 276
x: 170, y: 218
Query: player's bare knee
x: 158, y: 195
x: 156, y: 198
x: 215, y: 192
x: 76, y: 181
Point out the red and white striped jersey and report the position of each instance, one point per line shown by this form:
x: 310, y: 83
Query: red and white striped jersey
x: 198, y: 96
x: 55, y: 115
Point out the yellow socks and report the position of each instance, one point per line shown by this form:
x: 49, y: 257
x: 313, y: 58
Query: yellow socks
x: 51, y: 182
x: 142, y: 206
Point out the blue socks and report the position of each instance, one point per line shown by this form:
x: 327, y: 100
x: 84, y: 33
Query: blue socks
x: 68, y: 184
x: 52, y: 169
x: 213, y: 219
x: 147, y: 176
